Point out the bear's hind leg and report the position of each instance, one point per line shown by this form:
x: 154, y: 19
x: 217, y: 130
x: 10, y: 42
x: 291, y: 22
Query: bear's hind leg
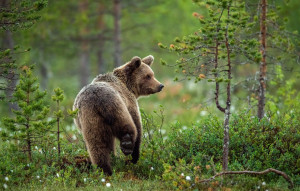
x: 99, y: 141
x: 101, y: 157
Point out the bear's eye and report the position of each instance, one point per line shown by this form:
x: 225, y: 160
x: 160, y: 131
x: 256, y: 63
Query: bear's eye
x: 148, y: 77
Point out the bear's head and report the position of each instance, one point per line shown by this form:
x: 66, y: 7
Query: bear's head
x: 139, y: 77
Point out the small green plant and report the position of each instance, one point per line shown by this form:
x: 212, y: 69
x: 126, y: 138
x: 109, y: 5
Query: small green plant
x: 58, y: 97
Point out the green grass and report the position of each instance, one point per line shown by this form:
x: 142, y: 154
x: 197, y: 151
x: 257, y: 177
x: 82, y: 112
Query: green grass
x: 233, y: 183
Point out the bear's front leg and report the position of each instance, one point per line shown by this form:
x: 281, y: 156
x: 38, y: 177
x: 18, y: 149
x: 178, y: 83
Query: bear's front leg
x: 136, y: 150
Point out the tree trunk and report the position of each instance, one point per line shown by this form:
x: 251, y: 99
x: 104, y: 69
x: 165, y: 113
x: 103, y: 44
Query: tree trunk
x: 43, y: 69
x: 117, y: 33
x: 101, y: 27
x: 84, y: 69
x: 263, y: 64
x: 28, y: 140
x: 226, y: 140
x: 228, y: 102
x: 58, y: 132
x: 44, y: 74
x: 84, y: 63
x: 29, y: 146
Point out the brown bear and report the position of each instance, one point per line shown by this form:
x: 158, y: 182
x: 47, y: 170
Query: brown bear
x: 108, y: 109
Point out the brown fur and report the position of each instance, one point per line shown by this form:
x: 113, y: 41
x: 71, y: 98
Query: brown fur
x: 108, y: 109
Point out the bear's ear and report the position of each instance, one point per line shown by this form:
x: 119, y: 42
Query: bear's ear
x: 148, y: 60
x: 133, y: 64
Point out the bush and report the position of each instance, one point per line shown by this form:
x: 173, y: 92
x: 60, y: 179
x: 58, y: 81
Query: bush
x: 254, y: 145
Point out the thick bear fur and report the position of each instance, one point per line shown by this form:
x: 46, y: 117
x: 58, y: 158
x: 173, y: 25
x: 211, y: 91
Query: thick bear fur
x: 108, y: 109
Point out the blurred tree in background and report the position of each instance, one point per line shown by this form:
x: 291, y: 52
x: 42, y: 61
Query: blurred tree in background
x: 14, y: 16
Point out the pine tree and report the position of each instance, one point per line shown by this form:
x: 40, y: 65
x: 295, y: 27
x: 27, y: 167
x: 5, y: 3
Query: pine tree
x: 31, y: 122
x: 58, y: 98
x: 212, y: 52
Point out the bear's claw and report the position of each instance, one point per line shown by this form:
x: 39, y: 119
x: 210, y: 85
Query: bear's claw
x: 126, y: 145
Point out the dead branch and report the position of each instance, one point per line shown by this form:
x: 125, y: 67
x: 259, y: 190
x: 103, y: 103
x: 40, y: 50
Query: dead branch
x: 285, y: 176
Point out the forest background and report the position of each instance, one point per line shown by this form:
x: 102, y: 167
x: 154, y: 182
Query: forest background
x: 71, y: 42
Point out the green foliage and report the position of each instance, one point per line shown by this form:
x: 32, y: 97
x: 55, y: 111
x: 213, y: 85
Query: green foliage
x: 220, y: 37
x: 58, y: 97
x: 14, y: 15
x: 31, y: 122
x: 254, y: 144
x: 179, y: 158
x: 20, y: 14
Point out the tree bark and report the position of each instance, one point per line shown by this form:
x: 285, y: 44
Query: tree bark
x: 28, y: 140
x: 43, y: 69
x: 101, y: 27
x: 263, y: 64
x: 117, y: 33
x: 228, y: 102
x: 84, y: 63
x: 44, y: 74
x: 84, y: 69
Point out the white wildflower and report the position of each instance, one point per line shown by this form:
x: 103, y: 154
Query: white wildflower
x: 184, y: 127
x: 232, y: 108
x: 54, y: 148
x: 264, y: 183
x: 108, y: 184
x: 36, y: 147
x: 102, y: 180
x: 188, y: 178
x: 152, y: 168
x: 74, y: 137
x: 6, y: 178
x: 203, y: 113
x: 84, y: 179
x: 182, y: 174
x: 258, y: 187
x: 28, y: 165
x: 0, y: 129
x: 57, y: 175
x: 11, y: 170
x: 162, y: 131
x: 38, y: 177
x: 5, y: 186
x: 73, y: 127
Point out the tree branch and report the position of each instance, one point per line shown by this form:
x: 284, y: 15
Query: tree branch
x: 285, y: 176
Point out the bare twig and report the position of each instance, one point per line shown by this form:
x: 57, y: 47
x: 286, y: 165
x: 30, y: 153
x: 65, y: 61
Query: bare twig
x: 285, y: 176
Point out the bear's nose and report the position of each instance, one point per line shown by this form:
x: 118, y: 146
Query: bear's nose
x: 161, y: 86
